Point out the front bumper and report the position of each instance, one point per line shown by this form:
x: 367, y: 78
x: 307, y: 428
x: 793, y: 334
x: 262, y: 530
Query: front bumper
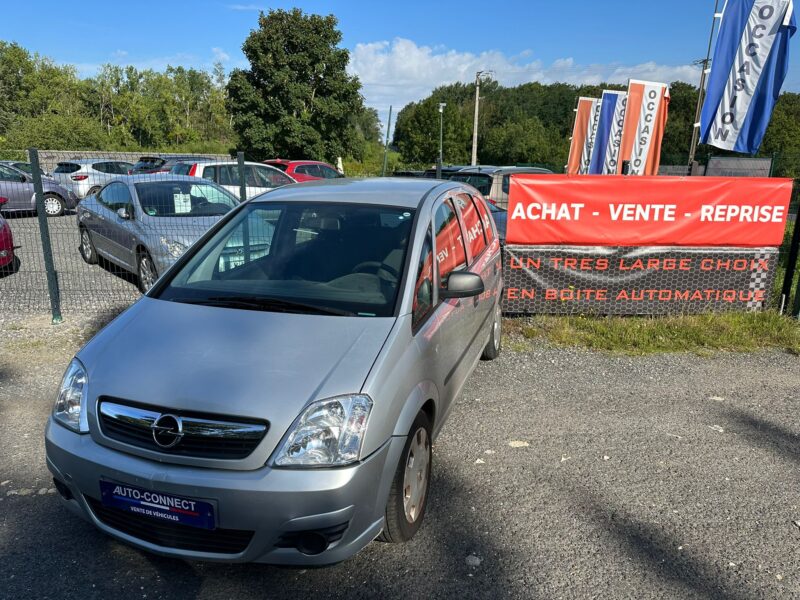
x: 270, y: 502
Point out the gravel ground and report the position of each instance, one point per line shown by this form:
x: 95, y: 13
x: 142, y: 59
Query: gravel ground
x: 561, y: 474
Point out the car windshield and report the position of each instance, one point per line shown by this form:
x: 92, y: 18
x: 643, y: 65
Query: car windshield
x: 183, y: 199
x: 322, y: 258
x: 146, y: 164
x: 481, y: 182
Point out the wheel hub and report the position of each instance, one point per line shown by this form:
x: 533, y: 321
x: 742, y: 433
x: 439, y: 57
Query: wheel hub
x: 415, y: 479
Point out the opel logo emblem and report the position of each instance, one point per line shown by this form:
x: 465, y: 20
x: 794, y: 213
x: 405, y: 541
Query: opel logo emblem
x: 167, y: 431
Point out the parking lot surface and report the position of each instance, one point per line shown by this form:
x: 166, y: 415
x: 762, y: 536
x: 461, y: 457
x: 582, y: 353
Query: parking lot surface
x: 561, y: 474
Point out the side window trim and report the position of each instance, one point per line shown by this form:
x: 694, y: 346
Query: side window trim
x: 435, y: 300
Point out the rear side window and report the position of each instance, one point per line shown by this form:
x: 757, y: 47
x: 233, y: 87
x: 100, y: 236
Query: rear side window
x: 228, y: 175
x: 181, y: 169
x: 329, y: 173
x: 271, y: 177
x: 487, y: 222
x: 506, y: 183
x: 66, y: 167
x: 450, y: 252
x: 311, y: 170
x: 105, y: 167
x: 210, y: 173
x: 280, y: 166
x: 473, y: 224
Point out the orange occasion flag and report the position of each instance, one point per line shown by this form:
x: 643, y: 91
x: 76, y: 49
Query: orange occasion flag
x: 580, y: 150
x: 645, y: 122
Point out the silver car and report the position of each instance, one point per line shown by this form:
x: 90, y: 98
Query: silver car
x: 281, y: 409
x: 85, y: 176
x: 17, y: 188
x: 144, y: 223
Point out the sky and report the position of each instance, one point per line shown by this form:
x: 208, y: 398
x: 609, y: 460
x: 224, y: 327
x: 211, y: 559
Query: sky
x: 400, y: 51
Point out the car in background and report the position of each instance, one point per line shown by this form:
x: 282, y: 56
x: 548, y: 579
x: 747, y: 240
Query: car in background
x: 287, y: 406
x: 144, y: 223
x: 500, y: 216
x: 447, y: 170
x: 305, y: 170
x: 8, y: 262
x: 85, y: 176
x: 494, y: 182
x: 163, y: 163
x: 25, y: 167
x: 17, y: 188
x: 259, y: 178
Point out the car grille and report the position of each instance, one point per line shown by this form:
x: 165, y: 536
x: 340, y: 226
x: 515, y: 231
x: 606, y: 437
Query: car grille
x: 170, y: 535
x: 203, y: 435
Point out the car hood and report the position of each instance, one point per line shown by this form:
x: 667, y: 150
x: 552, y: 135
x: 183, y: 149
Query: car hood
x: 231, y: 362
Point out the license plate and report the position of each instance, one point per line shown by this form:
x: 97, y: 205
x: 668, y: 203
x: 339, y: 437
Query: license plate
x: 158, y: 505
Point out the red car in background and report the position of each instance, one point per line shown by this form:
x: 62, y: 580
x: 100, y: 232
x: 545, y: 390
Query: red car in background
x: 304, y: 170
x: 7, y: 261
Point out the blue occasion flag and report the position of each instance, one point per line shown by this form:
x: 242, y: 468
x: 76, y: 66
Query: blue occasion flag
x: 751, y: 60
x: 605, y: 122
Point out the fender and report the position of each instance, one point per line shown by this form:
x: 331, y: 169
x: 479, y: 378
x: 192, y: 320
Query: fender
x: 424, y: 391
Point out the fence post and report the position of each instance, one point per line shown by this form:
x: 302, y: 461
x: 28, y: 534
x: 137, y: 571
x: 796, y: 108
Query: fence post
x: 242, y: 198
x: 791, y: 267
x: 44, y: 232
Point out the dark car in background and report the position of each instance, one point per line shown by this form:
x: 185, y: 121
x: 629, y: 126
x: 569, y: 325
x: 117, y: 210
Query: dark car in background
x: 304, y: 170
x: 447, y: 171
x: 163, y: 163
x: 17, y: 189
x: 144, y: 223
x: 494, y: 182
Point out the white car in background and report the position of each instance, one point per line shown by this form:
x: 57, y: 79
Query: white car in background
x: 259, y: 178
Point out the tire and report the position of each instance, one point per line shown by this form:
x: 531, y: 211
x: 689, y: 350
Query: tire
x: 86, y: 247
x: 145, y: 271
x: 495, y: 343
x: 399, y: 526
x: 53, y: 205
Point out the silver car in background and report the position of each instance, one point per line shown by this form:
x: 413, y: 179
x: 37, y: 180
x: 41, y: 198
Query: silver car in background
x: 85, y: 176
x: 144, y: 223
x: 16, y: 187
x: 282, y: 408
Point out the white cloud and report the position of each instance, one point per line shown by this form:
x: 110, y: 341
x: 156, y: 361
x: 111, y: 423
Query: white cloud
x: 245, y: 7
x: 220, y: 55
x: 400, y: 71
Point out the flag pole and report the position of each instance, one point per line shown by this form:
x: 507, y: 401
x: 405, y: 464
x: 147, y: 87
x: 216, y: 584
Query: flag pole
x: 701, y: 93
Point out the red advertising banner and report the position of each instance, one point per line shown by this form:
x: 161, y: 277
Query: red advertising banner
x: 615, y: 210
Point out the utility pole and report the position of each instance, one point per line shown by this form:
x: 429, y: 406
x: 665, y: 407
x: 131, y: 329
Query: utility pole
x: 706, y: 69
x: 386, y: 146
x: 475, y: 122
x: 441, y: 140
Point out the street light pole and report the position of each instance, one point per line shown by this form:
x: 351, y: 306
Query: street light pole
x: 441, y: 140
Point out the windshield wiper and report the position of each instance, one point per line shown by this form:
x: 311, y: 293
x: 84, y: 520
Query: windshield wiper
x: 264, y: 303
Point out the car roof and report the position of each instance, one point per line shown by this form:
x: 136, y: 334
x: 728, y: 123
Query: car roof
x: 385, y: 191
x: 512, y: 170
x: 288, y: 161
x: 153, y: 177
x: 90, y: 161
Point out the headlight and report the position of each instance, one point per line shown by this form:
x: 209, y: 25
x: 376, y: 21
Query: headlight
x: 70, y: 407
x: 329, y: 433
x: 175, y: 249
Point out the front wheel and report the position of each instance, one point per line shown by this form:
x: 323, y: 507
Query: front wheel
x: 88, y: 252
x: 408, y: 496
x: 53, y: 205
x: 146, y: 270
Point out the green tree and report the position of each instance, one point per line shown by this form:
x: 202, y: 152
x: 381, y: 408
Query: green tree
x: 296, y: 99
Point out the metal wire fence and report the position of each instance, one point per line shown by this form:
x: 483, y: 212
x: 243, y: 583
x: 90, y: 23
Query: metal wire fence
x: 105, y: 225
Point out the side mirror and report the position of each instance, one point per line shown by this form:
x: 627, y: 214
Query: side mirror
x: 23, y: 178
x: 124, y: 213
x: 461, y: 284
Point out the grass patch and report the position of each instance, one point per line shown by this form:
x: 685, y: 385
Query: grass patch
x: 701, y: 334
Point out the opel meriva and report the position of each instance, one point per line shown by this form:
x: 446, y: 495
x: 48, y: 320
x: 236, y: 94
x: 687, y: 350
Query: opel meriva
x: 275, y: 395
